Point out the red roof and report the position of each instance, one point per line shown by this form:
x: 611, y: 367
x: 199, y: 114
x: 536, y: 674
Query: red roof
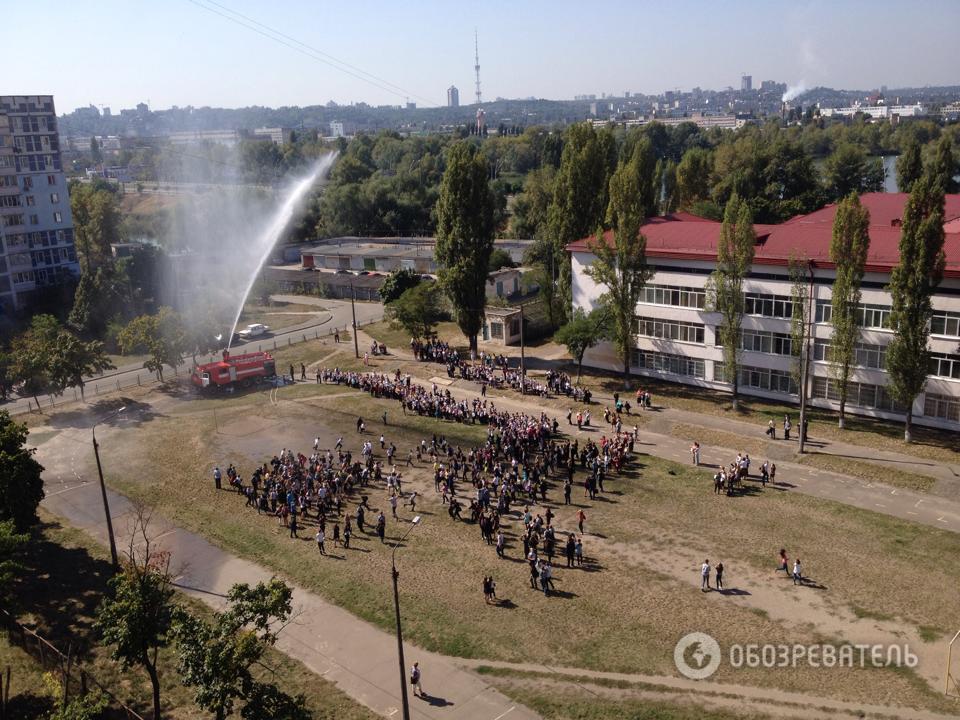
x: 682, y: 236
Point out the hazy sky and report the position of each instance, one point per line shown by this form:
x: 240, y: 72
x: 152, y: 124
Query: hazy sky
x: 175, y: 52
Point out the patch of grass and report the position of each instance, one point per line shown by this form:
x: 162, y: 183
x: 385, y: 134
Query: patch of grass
x: 929, y: 633
x: 720, y: 438
x: 863, y: 613
x: 866, y: 470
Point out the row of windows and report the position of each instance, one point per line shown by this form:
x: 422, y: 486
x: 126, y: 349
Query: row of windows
x: 42, y: 276
x: 8, y: 181
x: 36, y: 143
x: 33, y: 219
x: 53, y: 257
x: 34, y: 124
x: 947, y: 366
x: 870, y: 316
x: 759, y: 378
x: 37, y: 163
x: 6, y: 161
x: 9, y: 201
x: 864, y: 354
x: 40, y: 238
x: 669, y: 329
x: 10, y: 220
x: 775, y: 306
x: 672, y: 364
x: 859, y: 394
x: 945, y: 323
x: 674, y: 295
x: 942, y: 406
x: 764, y: 342
x: 28, y: 181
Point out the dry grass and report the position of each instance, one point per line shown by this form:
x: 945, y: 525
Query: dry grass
x: 626, y: 615
x: 721, y: 439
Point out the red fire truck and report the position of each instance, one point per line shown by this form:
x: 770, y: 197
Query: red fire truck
x: 233, y: 370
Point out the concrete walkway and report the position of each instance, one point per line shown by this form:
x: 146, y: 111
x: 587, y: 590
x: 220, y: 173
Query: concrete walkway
x: 358, y: 657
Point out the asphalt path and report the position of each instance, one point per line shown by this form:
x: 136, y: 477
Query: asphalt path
x: 134, y: 374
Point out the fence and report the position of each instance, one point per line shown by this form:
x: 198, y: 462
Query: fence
x: 122, y: 380
x: 52, y: 660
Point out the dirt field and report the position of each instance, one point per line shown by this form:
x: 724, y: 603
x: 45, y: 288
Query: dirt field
x: 873, y: 579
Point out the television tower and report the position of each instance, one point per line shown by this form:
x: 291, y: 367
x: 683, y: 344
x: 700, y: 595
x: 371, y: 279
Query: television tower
x: 476, y: 63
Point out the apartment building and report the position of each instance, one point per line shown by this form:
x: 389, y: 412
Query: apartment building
x: 677, y: 337
x: 36, y: 230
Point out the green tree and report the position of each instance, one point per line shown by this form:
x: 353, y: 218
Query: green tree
x: 848, y: 252
x: 945, y: 167
x: 909, y: 166
x: 21, y: 485
x: 849, y: 170
x: 397, y: 283
x: 912, y: 283
x: 621, y: 264
x: 96, y: 155
x: 161, y: 336
x: 465, y: 236
x: 734, y: 257
x: 667, y: 176
x: 580, y: 198
x: 72, y: 359
x: 31, y: 352
x: 216, y: 658
x: 582, y: 332
x: 417, y: 310
x: 134, y: 619
x: 12, y: 546
x: 693, y: 177
x: 96, y: 224
x: 500, y: 258
x: 6, y: 374
x: 529, y: 217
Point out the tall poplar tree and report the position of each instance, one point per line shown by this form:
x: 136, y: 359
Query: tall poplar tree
x: 580, y: 198
x: 945, y: 166
x: 465, y: 229
x: 734, y: 258
x: 621, y: 266
x: 848, y: 252
x: 912, y: 283
x: 909, y: 166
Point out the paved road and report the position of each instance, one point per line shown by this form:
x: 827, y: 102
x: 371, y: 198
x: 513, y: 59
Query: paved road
x: 360, y: 658
x: 133, y: 374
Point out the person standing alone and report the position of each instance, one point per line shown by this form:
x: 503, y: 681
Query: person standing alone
x: 415, y: 676
x: 705, y: 576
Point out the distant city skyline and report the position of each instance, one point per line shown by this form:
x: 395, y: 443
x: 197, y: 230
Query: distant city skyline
x: 207, y: 53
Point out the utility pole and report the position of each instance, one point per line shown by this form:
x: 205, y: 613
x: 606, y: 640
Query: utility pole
x: 523, y: 371
x: 353, y: 311
x: 395, y: 574
x: 103, y: 489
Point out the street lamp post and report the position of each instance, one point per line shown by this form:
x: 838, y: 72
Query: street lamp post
x: 396, y: 606
x: 353, y: 312
x: 103, y: 487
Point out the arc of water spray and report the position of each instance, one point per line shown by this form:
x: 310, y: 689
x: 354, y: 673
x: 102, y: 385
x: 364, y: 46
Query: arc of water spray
x: 281, y: 218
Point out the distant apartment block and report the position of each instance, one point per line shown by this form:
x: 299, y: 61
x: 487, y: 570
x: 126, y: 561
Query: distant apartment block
x: 746, y: 83
x: 36, y: 228
x: 453, y: 96
x: 876, y: 112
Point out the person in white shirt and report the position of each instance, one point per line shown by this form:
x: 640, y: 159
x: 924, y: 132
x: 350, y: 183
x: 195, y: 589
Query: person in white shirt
x: 797, y: 572
x: 705, y: 575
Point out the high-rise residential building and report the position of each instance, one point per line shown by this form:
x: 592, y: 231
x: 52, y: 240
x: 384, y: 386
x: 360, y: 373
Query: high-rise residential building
x: 36, y: 228
x: 453, y: 96
x: 746, y: 83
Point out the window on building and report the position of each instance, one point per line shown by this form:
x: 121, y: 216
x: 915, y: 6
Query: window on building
x: 34, y: 219
x: 671, y: 364
x: 765, y: 342
x: 58, y: 217
x: 780, y: 381
x: 865, y: 355
x: 51, y: 179
x: 674, y: 295
x: 943, y: 365
x: 514, y: 327
x: 27, y: 183
x: 945, y: 323
x: 860, y: 394
x: 669, y: 329
x: 774, y: 306
x: 944, y: 407
x: 496, y: 330
x: 54, y: 198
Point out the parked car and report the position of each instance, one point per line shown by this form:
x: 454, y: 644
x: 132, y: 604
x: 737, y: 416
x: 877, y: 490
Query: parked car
x: 344, y: 272
x: 253, y: 330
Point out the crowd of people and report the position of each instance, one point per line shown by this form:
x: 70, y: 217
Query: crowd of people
x: 520, y: 462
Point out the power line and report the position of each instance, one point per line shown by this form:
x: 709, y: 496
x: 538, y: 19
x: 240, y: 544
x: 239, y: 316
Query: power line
x: 308, y: 50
